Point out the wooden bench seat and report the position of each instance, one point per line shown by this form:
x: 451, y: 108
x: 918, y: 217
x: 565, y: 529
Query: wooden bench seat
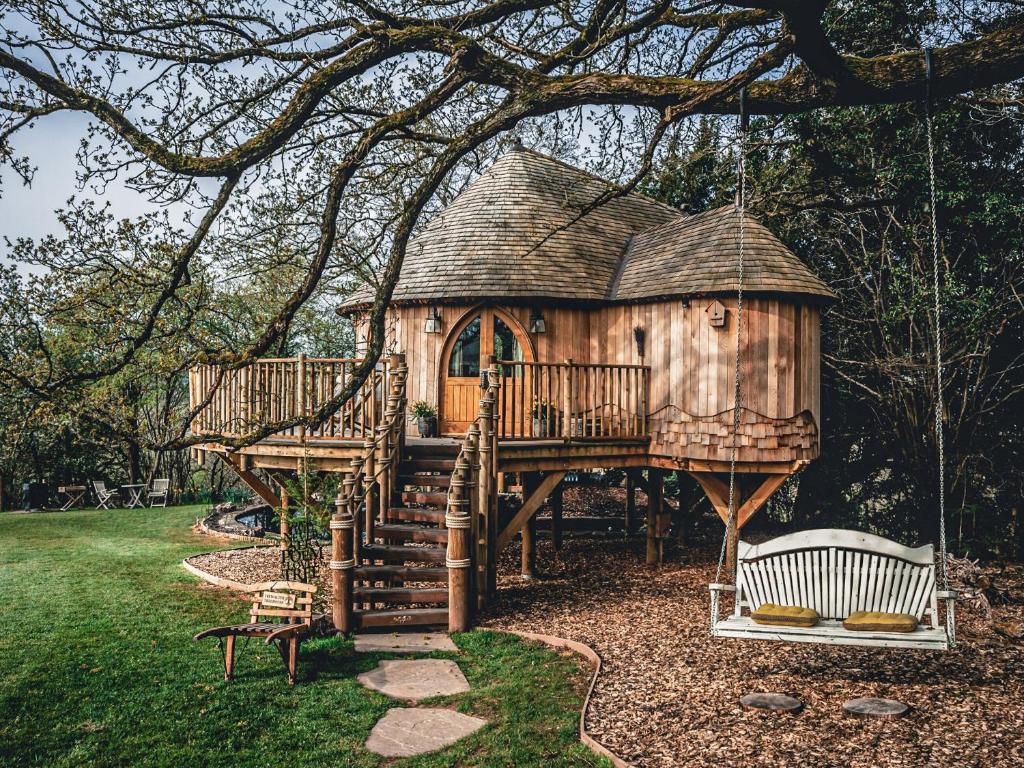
x: 836, y: 573
x: 289, y: 607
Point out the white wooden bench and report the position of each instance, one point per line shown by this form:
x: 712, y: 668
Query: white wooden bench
x: 837, y: 572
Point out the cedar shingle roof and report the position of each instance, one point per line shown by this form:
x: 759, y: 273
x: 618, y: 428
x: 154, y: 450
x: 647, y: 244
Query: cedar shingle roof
x: 518, y: 232
x: 700, y: 255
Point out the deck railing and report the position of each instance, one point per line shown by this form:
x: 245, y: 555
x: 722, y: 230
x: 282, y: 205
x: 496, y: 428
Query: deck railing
x: 274, y: 390
x: 573, y: 401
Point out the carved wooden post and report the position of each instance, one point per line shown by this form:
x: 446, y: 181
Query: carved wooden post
x: 459, y: 560
x: 385, y: 472
x: 481, y: 537
x: 399, y: 371
x: 630, y: 521
x: 341, y: 565
x: 351, y: 496
x: 369, y: 488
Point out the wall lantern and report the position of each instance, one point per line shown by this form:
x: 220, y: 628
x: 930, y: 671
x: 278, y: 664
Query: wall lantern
x: 537, y: 324
x: 433, y: 324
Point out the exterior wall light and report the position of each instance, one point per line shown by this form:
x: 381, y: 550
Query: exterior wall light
x: 537, y: 324
x: 433, y: 324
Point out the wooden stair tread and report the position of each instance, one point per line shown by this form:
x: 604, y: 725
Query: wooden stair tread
x: 400, y: 594
x: 427, y: 465
x: 411, y: 533
x: 432, y: 481
x: 425, y: 497
x: 397, y: 553
x: 401, y: 617
x: 402, y: 572
x: 416, y: 514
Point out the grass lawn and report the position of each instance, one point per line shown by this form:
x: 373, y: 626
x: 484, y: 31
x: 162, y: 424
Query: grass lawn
x: 99, y: 667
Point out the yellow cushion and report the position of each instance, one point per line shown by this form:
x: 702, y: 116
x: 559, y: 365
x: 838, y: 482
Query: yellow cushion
x: 877, y: 621
x: 786, y: 615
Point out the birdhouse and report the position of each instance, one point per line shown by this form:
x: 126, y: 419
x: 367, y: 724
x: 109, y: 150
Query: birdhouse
x: 716, y: 314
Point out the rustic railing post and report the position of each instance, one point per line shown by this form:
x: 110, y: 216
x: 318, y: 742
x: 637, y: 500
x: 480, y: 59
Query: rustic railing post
x: 399, y: 371
x: 300, y: 394
x: 352, y: 497
x: 484, y: 489
x: 459, y: 559
x: 385, y: 485
x: 341, y: 565
x: 369, y: 487
x: 566, y: 404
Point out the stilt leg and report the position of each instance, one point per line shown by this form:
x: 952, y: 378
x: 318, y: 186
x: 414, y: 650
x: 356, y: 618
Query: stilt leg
x: 655, y: 485
x: 556, y: 518
x: 630, y: 522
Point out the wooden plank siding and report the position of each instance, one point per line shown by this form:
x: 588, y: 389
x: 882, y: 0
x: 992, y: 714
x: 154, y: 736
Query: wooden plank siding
x: 692, y: 367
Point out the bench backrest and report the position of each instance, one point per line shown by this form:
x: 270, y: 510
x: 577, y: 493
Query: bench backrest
x: 290, y: 602
x: 837, y: 572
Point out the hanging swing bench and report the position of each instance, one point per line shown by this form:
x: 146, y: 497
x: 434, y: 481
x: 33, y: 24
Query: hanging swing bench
x: 834, y: 586
x: 851, y: 588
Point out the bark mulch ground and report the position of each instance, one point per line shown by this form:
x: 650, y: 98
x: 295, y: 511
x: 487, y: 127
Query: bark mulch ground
x: 668, y: 693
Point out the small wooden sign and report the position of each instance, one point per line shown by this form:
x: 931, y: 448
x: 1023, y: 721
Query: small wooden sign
x: 716, y: 314
x: 277, y: 600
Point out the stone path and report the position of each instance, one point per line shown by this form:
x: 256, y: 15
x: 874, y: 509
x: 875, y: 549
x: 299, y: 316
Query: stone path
x: 416, y: 678
x: 404, y: 732
x: 408, y: 731
x: 405, y: 642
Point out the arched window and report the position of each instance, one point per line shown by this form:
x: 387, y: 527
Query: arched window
x: 465, y: 357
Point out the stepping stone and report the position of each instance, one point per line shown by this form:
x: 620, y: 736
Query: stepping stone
x: 405, y: 642
x: 404, y: 732
x: 416, y: 679
x: 871, y: 707
x: 772, y: 702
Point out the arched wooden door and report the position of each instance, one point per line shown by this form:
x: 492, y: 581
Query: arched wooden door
x: 479, y: 335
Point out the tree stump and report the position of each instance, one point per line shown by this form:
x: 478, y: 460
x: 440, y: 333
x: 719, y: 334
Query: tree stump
x: 772, y: 702
x: 872, y: 707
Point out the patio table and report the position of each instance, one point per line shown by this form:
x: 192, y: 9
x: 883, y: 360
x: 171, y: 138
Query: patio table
x: 133, y: 495
x: 73, y: 495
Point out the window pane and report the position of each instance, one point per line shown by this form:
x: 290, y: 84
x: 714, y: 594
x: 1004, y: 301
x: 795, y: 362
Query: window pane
x: 465, y: 359
x: 506, y: 347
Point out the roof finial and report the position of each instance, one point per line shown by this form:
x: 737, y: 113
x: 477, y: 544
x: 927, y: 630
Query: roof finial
x: 517, y: 144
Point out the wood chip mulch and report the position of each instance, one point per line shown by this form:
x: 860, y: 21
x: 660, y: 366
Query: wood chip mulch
x: 668, y: 694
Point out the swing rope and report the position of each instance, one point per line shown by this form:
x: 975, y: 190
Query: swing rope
x: 741, y: 202
x: 936, y: 285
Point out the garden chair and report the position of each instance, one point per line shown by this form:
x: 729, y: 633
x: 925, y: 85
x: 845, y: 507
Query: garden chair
x: 103, y: 496
x: 281, y: 613
x: 158, y: 493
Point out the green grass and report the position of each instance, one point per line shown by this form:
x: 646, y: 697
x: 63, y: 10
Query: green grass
x: 99, y: 668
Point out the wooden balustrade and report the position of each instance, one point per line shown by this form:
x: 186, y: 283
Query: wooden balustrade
x: 573, y: 401
x: 273, y: 390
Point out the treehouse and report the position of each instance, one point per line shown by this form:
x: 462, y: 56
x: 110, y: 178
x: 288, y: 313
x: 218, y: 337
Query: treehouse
x: 554, y: 328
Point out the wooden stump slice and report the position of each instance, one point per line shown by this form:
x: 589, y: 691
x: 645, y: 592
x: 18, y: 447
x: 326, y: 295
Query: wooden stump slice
x: 772, y: 702
x: 872, y: 707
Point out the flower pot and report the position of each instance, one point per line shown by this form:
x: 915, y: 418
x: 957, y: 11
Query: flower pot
x: 427, y: 425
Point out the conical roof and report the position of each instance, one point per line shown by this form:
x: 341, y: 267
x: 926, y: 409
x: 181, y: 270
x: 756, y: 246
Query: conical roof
x: 700, y: 255
x: 522, y: 231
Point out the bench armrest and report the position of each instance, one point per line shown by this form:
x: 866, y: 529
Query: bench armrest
x: 946, y: 594
x: 285, y: 631
x: 722, y: 587
x: 215, y: 632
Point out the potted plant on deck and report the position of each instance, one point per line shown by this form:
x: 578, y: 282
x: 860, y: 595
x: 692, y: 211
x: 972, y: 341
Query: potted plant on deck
x: 426, y: 418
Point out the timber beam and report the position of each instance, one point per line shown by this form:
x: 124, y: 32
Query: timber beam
x: 260, y: 488
x: 531, y: 504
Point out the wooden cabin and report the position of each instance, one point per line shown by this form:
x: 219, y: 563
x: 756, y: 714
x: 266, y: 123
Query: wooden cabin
x: 550, y: 334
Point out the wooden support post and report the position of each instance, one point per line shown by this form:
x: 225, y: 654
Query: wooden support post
x: 556, y: 517
x: 341, y: 565
x: 369, y: 489
x: 386, y: 484
x: 528, y: 532
x: 655, y: 489
x: 459, y: 560
x: 283, y: 528
x: 300, y: 395
x: 629, y: 524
